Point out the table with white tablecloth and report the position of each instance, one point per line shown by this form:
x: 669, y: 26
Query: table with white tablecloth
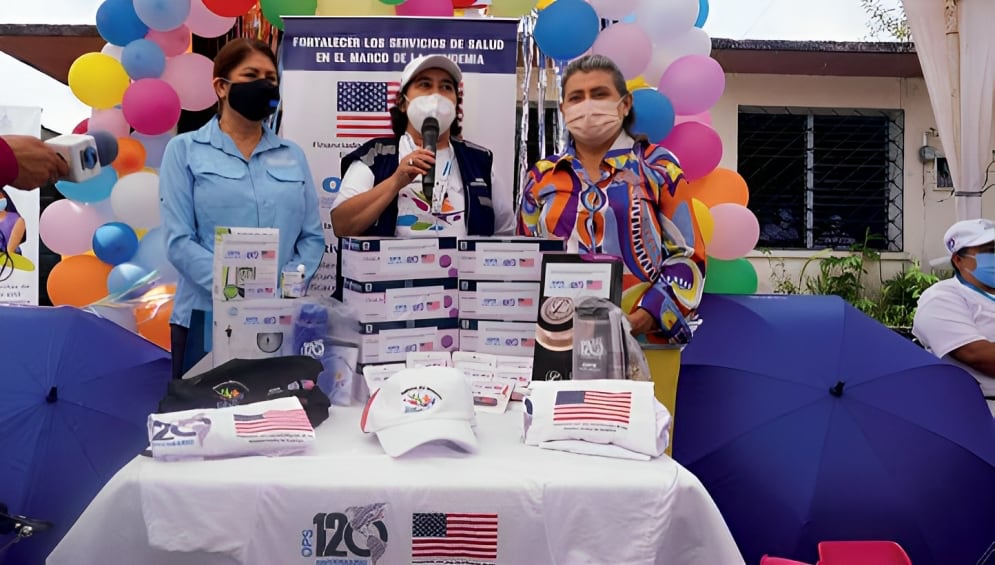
x: 347, y: 503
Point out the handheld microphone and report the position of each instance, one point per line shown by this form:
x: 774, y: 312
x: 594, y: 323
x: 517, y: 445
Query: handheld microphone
x: 430, y: 139
x: 85, y: 154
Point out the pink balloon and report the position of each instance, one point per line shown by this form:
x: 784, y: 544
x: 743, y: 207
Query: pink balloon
x: 109, y: 120
x: 737, y: 231
x: 172, y: 42
x: 66, y: 227
x: 613, y: 9
x: 704, y: 118
x: 693, y: 83
x: 151, y: 106
x: 627, y: 45
x: 439, y: 8
x: 191, y: 75
x: 206, y: 23
x: 697, y: 146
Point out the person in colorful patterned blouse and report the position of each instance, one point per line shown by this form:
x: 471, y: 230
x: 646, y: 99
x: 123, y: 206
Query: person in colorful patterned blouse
x: 614, y: 192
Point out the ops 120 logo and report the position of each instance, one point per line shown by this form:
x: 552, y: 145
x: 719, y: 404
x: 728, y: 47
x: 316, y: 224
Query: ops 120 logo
x: 357, y: 536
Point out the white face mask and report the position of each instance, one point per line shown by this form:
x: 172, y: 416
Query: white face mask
x: 593, y: 121
x: 431, y: 106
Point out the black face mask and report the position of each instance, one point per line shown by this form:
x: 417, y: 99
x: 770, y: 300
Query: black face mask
x: 255, y: 100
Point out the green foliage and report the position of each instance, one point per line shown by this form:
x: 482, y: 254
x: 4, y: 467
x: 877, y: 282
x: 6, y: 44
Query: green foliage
x: 846, y: 275
x: 887, y: 18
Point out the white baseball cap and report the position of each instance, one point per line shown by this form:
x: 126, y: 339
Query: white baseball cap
x: 419, y: 64
x: 418, y: 406
x: 968, y: 233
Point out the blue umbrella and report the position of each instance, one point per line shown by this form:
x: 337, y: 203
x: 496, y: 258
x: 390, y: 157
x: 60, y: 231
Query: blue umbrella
x: 808, y: 421
x: 75, y: 393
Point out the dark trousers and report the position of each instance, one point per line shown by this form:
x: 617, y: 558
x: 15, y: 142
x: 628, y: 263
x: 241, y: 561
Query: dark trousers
x: 187, y: 344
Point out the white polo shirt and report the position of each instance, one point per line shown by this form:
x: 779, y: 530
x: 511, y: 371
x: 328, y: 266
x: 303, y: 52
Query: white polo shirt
x: 952, y: 314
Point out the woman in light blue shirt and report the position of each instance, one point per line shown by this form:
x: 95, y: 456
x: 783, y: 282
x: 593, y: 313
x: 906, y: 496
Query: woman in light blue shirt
x: 233, y: 172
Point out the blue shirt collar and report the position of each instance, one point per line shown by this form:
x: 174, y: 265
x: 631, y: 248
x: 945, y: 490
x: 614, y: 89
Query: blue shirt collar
x: 211, y: 133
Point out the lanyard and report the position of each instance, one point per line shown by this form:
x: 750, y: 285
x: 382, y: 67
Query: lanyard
x: 975, y: 289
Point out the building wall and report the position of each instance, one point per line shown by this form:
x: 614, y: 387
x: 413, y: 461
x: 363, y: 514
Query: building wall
x: 927, y: 212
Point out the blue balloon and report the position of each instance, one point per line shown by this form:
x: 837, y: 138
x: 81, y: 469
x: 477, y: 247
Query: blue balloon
x: 118, y: 23
x: 702, y: 13
x: 155, y: 146
x: 124, y: 276
x: 566, y: 29
x: 151, y: 256
x: 114, y: 243
x: 94, y: 190
x: 654, y: 114
x: 143, y: 59
x: 630, y: 19
x: 162, y: 15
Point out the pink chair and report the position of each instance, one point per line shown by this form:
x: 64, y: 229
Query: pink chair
x: 768, y: 560
x: 862, y: 553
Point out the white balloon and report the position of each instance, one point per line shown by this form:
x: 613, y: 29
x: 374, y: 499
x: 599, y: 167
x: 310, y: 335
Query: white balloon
x: 112, y: 50
x: 695, y: 41
x: 664, y: 18
x: 614, y: 9
x: 135, y: 200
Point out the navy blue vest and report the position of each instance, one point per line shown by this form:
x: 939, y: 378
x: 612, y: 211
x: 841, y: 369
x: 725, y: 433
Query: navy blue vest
x: 475, y: 165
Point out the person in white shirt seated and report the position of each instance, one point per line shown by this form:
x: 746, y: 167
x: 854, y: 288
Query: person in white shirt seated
x: 382, y: 191
x: 955, y: 319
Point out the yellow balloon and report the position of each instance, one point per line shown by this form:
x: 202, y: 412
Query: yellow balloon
x: 354, y: 8
x: 637, y: 83
x: 510, y: 8
x: 140, y: 232
x: 98, y: 80
x: 543, y: 4
x: 705, y: 221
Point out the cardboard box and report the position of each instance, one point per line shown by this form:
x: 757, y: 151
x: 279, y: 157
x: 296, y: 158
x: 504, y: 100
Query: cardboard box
x: 390, y: 342
x: 371, y: 259
x: 253, y: 329
x: 504, y: 258
x: 415, y: 299
x: 499, y: 338
x: 497, y: 300
x: 246, y: 263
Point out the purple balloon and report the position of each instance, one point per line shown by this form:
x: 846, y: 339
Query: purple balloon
x: 627, y: 45
x: 693, y: 83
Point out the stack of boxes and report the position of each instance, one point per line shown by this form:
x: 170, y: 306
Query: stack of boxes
x: 499, y: 283
x: 404, y: 294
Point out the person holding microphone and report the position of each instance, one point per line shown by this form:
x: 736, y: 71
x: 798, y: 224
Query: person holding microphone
x: 424, y: 181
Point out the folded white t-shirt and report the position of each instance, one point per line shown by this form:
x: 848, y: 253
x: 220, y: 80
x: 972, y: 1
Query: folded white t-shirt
x: 271, y: 427
x: 618, y: 413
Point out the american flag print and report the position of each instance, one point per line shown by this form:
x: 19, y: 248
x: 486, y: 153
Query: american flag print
x: 593, y: 284
x: 592, y: 406
x: 269, y: 254
x: 526, y: 262
x: 454, y: 537
x: 363, y: 108
x: 272, y: 421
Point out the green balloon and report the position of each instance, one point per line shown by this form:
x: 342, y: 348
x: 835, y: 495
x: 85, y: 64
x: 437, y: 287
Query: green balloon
x: 730, y: 277
x: 393, y: 2
x: 274, y: 9
x: 510, y: 8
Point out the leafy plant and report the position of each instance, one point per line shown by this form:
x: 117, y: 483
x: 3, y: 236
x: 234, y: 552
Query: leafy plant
x: 888, y: 18
x: 845, y: 276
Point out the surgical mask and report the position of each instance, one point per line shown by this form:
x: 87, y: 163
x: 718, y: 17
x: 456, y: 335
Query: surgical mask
x: 3, y: 204
x: 255, y: 100
x: 593, y: 122
x: 984, y: 271
x: 431, y: 106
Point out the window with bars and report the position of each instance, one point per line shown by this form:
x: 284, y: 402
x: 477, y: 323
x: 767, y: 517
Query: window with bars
x: 824, y: 178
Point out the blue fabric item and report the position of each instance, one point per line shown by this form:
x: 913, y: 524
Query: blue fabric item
x: 808, y: 421
x: 310, y: 331
x: 75, y: 393
x: 205, y: 182
x: 475, y: 165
